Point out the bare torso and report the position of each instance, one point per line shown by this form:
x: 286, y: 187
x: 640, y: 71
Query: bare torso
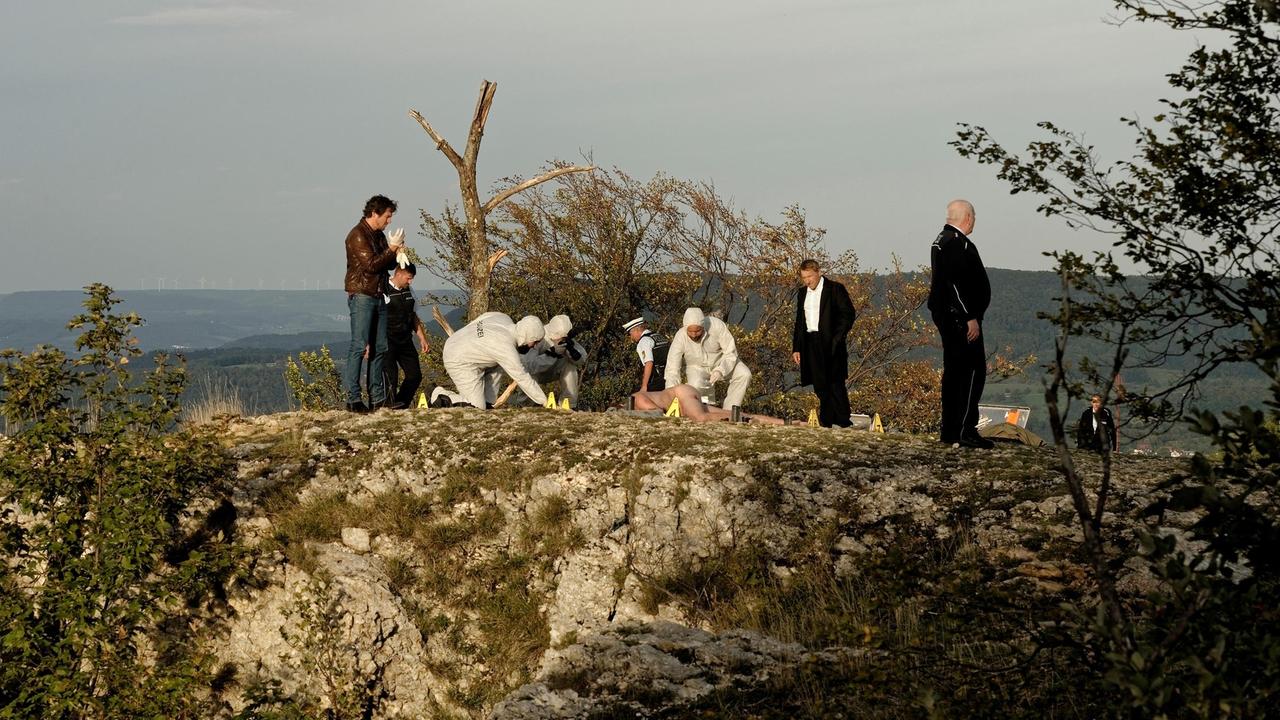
x: 691, y: 405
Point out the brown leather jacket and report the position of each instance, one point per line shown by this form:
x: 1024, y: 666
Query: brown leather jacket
x: 368, y: 260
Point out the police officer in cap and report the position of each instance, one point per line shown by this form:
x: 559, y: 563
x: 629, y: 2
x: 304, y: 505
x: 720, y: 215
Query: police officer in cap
x: 958, y: 298
x: 652, y: 349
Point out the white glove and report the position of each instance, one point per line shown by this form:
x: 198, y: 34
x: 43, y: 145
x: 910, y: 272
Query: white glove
x: 402, y: 258
x: 716, y: 376
x: 396, y: 237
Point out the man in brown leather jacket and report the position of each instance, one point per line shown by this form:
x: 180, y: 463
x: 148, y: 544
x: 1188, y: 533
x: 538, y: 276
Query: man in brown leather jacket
x: 369, y: 256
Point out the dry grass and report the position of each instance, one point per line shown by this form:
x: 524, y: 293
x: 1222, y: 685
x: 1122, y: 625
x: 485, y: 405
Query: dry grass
x: 216, y: 398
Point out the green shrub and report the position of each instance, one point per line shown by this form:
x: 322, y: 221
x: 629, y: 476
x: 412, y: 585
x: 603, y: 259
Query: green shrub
x: 95, y: 486
x: 330, y: 656
x: 316, y: 385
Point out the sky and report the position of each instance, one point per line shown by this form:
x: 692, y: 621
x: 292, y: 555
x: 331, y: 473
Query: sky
x: 192, y: 143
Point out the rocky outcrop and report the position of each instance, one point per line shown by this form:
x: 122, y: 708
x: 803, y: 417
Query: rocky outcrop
x: 540, y: 564
x: 631, y: 670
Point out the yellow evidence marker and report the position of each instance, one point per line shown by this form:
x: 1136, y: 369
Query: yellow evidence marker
x: 673, y: 410
x: 422, y: 400
x: 813, y: 418
x: 551, y: 401
x: 564, y: 404
x: 876, y: 426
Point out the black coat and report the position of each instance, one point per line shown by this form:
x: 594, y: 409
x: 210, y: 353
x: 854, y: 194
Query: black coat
x: 1089, y: 439
x: 959, y: 290
x: 835, y: 320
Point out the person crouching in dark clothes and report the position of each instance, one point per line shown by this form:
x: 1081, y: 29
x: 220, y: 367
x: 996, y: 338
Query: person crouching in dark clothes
x: 402, y: 325
x: 1097, y: 430
x: 958, y: 298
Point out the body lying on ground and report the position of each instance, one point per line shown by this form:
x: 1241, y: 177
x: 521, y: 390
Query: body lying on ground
x: 691, y: 405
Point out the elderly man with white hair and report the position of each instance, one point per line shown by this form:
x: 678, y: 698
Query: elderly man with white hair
x: 477, y: 355
x: 557, y: 357
x: 959, y: 296
x: 707, y: 352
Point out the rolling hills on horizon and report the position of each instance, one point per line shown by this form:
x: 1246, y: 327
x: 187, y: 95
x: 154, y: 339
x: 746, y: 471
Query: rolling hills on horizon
x: 185, y: 319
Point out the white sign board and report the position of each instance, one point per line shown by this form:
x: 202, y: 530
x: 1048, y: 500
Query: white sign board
x: 996, y: 414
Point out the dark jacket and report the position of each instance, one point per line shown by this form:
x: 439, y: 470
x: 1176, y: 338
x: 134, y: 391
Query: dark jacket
x: 835, y: 320
x: 368, y: 260
x: 960, y: 290
x: 658, y: 375
x: 1089, y: 439
x: 402, y: 316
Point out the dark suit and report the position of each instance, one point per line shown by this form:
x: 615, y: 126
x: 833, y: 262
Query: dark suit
x: 1090, y: 438
x: 960, y: 292
x: 824, y: 354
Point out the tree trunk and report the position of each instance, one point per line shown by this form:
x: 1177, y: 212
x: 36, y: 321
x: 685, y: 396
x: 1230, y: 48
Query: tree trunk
x: 480, y: 268
x: 478, y: 245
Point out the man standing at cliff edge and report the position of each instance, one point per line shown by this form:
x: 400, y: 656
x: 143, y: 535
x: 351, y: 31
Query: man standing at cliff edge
x: 819, y: 342
x: 369, y: 256
x: 958, y: 298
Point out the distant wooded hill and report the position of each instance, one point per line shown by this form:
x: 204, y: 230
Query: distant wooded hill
x: 241, y: 338
x: 195, y: 319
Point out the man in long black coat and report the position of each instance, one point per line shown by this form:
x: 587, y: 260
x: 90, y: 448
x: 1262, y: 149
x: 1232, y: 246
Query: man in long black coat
x: 819, y: 343
x: 1097, y: 429
x: 958, y: 299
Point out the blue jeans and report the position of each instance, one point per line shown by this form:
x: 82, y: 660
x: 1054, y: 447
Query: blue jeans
x: 368, y: 327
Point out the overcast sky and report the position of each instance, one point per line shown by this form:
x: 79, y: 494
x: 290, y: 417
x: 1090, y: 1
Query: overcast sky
x: 237, y: 141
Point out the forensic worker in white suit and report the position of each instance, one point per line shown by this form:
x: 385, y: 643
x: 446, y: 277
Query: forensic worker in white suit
x: 477, y: 355
x: 557, y: 357
x: 706, y: 351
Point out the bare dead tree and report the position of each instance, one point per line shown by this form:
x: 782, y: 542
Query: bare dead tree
x: 477, y: 239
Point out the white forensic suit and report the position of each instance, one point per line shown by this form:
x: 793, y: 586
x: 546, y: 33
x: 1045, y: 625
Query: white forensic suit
x: 548, y: 362
x: 477, y: 355
x: 712, y: 357
x: 556, y: 357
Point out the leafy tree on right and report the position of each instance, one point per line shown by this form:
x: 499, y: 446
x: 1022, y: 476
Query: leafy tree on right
x: 1196, y: 213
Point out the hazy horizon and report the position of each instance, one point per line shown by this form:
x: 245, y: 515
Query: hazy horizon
x: 236, y: 140
x: 327, y: 285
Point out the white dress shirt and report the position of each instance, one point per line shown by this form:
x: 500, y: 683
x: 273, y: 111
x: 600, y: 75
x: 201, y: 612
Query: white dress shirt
x: 811, y: 301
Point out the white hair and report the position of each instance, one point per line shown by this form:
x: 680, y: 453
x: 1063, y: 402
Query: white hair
x: 958, y: 211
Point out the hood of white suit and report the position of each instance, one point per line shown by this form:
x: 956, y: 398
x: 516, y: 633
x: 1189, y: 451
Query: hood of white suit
x: 529, y: 330
x: 558, y: 327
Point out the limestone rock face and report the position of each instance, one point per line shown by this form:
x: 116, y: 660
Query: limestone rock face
x: 356, y: 539
x: 527, y: 563
x: 370, y: 633
x: 628, y: 669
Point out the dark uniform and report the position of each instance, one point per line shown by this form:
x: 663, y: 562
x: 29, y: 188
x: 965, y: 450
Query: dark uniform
x: 960, y: 292
x: 652, y: 348
x: 402, y: 321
